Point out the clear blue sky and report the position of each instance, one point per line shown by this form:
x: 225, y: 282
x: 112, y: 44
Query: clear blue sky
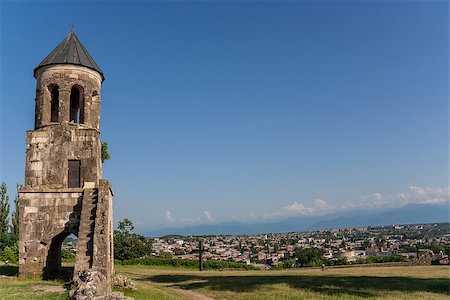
x: 217, y: 111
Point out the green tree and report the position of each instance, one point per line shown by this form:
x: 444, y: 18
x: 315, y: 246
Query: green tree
x: 164, y: 254
x: 366, y: 244
x: 179, y: 251
x: 105, y: 152
x: 239, y: 246
x: 276, y: 247
x: 125, y: 226
x: 15, y: 216
x: 4, y: 210
x: 309, y: 257
x: 10, y: 253
x: 129, y: 245
x: 6, y: 240
x: 67, y: 256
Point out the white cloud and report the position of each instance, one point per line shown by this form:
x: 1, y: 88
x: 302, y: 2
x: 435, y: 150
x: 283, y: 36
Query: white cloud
x: 182, y: 221
x: 322, y: 206
x: 418, y: 194
x: 377, y: 200
x: 414, y: 194
x: 208, y: 215
x: 372, y: 200
x: 317, y: 206
x: 298, y: 208
x: 169, y: 216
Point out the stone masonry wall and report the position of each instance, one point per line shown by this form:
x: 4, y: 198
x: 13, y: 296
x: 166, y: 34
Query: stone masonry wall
x: 103, y: 232
x: 46, y: 216
x: 49, y: 149
x: 65, y: 77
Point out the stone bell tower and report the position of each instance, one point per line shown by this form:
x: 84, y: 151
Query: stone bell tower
x: 64, y: 192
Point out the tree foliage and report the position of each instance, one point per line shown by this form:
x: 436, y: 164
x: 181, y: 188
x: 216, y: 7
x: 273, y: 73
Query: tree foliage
x: 188, y: 263
x: 380, y: 259
x: 130, y: 245
x: 164, y: 254
x: 67, y: 256
x: 6, y: 240
x: 125, y: 226
x: 4, y: 210
x: 9, y: 233
x: 10, y: 253
x: 310, y: 257
x: 15, y: 215
x: 105, y: 152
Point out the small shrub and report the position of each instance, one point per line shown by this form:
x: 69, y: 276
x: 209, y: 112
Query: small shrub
x: 380, y: 259
x: 186, y: 263
x: 338, y: 262
x: 67, y: 256
x: 10, y: 254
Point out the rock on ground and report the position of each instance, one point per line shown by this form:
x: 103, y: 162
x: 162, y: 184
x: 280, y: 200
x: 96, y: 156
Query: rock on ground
x: 90, y: 285
x: 123, y: 282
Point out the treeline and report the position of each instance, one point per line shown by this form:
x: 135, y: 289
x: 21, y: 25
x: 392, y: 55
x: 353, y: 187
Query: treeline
x: 434, y: 246
x: 367, y: 260
x: 186, y: 263
x: 9, y: 227
x: 313, y: 257
x: 134, y: 249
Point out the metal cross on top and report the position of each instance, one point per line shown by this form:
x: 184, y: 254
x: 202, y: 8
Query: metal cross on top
x: 73, y: 26
x: 200, y: 251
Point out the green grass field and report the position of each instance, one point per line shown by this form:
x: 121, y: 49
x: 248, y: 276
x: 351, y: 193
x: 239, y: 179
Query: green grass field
x: 406, y: 282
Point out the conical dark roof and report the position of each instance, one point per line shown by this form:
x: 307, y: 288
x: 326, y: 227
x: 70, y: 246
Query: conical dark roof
x: 70, y: 51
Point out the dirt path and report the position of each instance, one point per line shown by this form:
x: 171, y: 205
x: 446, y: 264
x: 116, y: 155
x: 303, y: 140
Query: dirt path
x: 188, y: 293
x: 49, y: 288
x: 173, y: 289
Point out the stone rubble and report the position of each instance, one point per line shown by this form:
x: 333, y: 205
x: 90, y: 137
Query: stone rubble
x: 90, y: 285
x: 123, y: 282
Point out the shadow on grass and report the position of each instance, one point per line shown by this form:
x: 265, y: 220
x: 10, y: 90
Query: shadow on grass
x: 9, y: 270
x: 360, y: 286
x: 65, y: 274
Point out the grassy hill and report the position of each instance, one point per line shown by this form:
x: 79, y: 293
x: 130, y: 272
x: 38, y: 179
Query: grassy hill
x: 406, y: 282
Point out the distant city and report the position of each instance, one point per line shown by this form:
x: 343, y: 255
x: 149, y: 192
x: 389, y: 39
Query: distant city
x: 417, y: 244
x: 349, y: 243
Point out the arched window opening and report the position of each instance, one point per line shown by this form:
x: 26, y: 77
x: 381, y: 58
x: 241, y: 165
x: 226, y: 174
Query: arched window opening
x: 76, y: 106
x: 54, y: 104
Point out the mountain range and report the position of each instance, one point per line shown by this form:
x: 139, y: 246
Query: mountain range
x: 408, y: 214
